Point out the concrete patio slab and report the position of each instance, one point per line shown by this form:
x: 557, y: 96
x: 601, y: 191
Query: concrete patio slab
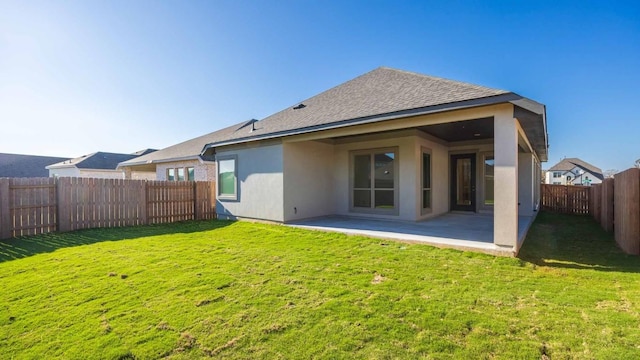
x: 453, y: 230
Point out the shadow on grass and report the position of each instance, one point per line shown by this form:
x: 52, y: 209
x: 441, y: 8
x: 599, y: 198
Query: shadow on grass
x: 26, y: 246
x: 574, y: 242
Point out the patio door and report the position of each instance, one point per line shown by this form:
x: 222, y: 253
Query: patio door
x: 463, y: 182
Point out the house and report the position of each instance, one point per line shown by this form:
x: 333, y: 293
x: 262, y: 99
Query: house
x: 26, y: 166
x: 99, y: 165
x: 573, y: 171
x: 181, y: 161
x: 389, y: 145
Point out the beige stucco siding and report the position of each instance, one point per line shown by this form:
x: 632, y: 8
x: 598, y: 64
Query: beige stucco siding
x: 439, y: 177
x: 260, y: 184
x: 407, y: 177
x: 308, y: 179
x: 203, y: 171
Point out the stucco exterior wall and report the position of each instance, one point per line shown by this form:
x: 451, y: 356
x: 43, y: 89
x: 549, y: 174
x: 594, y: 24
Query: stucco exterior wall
x: 526, y: 170
x: 408, y: 175
x: 260, y: 184
x: 203, y: 171
x: 439, y: 177
x: 308, y: 179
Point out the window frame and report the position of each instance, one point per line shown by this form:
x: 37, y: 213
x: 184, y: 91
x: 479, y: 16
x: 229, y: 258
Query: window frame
x: 395, y: 211
x: 483, y: 199
x: 186, y: 173
x: 228, y: 197
x: 172, y: 176
x: 426, y: 210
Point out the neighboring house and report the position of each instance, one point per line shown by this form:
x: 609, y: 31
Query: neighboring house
x: 389, y: 144
x: 573, y: 171
x: 26, y: 166
x: 181, y: 161
x: 99, y: 165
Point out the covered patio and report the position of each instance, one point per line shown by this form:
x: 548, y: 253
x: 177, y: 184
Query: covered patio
x: 463, y: 231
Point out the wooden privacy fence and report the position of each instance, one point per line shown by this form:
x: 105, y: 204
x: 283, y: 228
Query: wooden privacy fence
x: 602, y: 203
x: 43, y: 205
x: 626, y: 207
x: 615, y: 204
x: 566, y: 199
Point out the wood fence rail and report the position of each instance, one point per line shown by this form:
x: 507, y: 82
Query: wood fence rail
x: 30, y: 206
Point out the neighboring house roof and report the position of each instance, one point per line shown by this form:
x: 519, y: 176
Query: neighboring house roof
x: 98, y: 160
x: 567, y: 164
x: 383, y: 94
x: 187, y: 150
x: 143, y: 152
x: 17, y: 165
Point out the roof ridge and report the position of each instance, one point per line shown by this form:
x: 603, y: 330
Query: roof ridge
x: 440, y: 78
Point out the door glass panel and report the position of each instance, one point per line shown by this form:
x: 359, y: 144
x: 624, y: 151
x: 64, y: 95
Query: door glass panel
x: 362, y: 198
x: 426, y: 198
x: 384, y: 170
x: 384, y: 199
x: 488, y: 180
x: 426, y: 181
x: 463, y: 181
x: 362, y: 171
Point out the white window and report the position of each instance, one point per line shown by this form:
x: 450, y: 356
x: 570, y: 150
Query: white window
x: 557, y: 174
x: 228, y: 178
x: 374, y: 181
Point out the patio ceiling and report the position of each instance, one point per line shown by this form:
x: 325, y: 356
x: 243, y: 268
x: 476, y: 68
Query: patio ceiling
x: 478, y: 129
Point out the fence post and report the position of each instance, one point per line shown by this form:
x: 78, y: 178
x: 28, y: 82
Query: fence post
x: 5, y: 213
x: 142, y: 204
x: 64, y: 214
x: 197, y: 211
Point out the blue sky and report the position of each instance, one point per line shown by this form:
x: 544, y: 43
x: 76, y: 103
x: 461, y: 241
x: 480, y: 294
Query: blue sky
x: 83, y: 76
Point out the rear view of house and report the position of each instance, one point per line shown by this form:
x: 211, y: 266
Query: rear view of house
x: 573, y: 171
x: 389, y: 145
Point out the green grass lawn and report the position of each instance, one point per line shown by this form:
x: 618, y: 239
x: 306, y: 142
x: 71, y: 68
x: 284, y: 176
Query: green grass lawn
x: 247, y: 291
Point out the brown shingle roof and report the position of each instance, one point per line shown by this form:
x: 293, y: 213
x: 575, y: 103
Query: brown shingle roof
x: 189, y: 149
x: 381, y: 91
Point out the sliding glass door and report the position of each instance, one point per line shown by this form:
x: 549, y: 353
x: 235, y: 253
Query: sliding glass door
x: 374, y: 181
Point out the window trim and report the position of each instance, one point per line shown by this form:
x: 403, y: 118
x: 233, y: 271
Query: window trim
x: 186, y: 173
x: 230, y: 197
x: 174, y: 174
x: 396, y: 181
x: 426, y: 210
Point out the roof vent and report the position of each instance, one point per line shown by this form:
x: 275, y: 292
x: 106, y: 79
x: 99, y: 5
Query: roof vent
x: 299, y: 106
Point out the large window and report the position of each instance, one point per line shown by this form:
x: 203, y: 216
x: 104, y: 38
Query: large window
x: 426, y: 180
x: 374, y: 185
x: 227, y: 178
x: 489, y: 165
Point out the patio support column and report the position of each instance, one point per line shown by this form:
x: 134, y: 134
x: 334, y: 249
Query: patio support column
x: 505, y: 209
